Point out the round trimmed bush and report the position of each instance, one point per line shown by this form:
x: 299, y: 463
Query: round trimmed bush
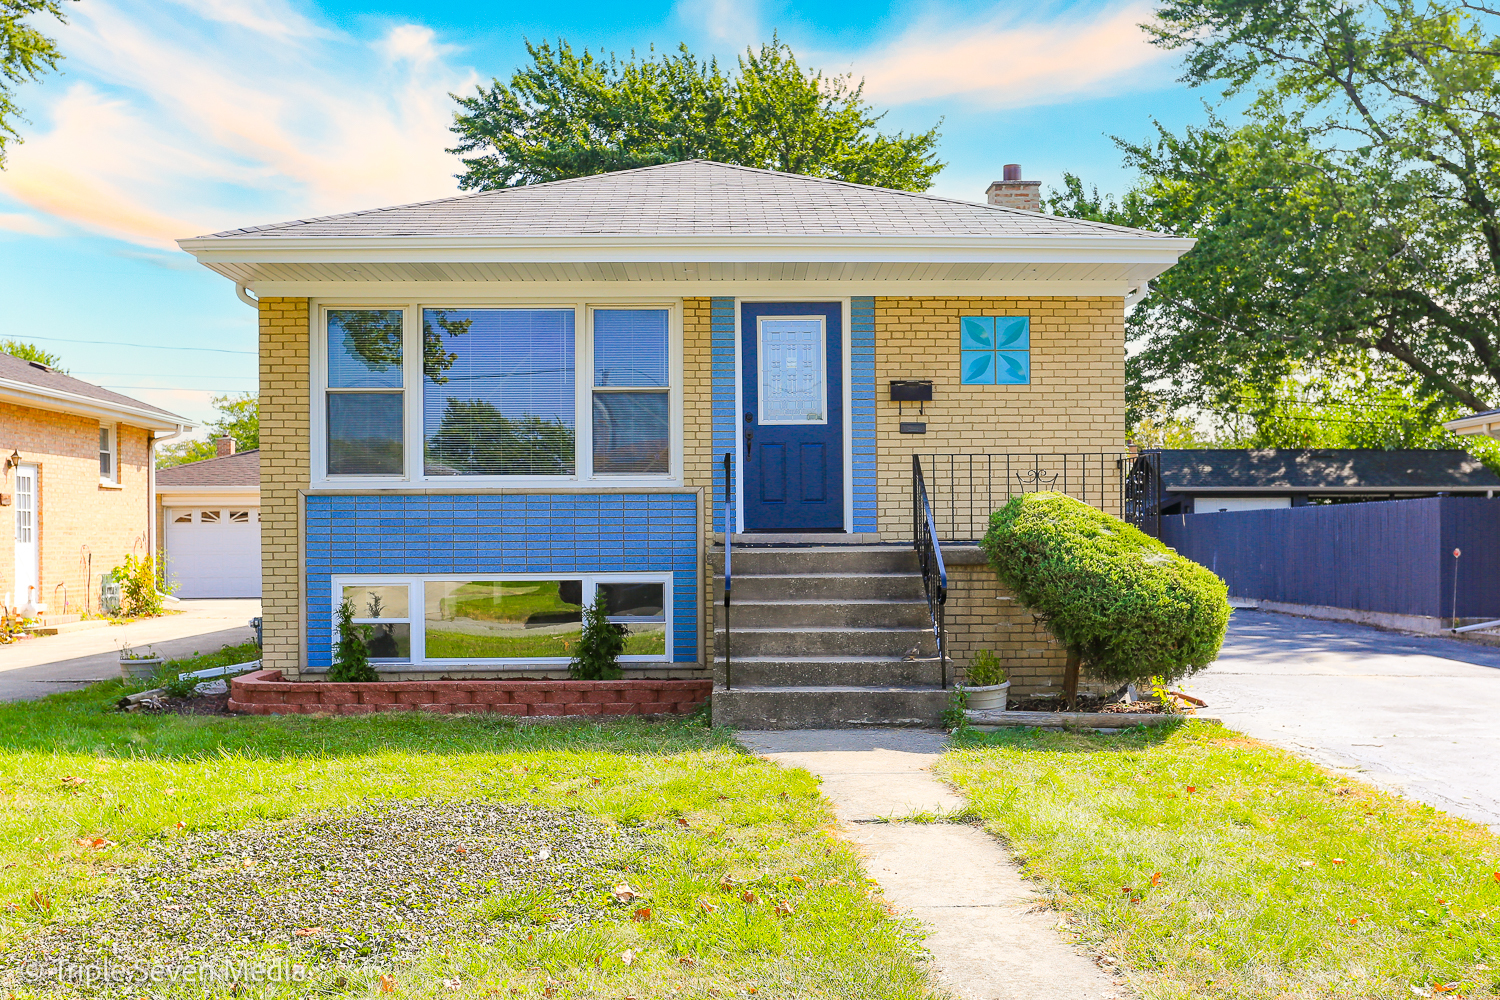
x: 1121, y: 602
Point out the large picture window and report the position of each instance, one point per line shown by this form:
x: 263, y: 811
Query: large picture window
x: 365, y: 399
x: 498, y: 394
x: 491, y: 619
x: 632, y: 410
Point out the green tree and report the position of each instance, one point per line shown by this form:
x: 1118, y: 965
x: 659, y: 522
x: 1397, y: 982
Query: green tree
x: 31, y: 352
x: 570, y: 114
x: 1349, y: 217
x: 599, y: 645
x: 351, y: 657
x: 239, y: 418
x: 25, y: 55
x: 474, y: 437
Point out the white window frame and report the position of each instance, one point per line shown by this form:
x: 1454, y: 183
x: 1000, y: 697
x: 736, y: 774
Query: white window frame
x: 416, y: 606
x: 583, y: 478
x: 113, y: 451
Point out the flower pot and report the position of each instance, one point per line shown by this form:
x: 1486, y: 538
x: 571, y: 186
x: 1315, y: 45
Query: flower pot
x: 988, y: 698
x: 140, y: 669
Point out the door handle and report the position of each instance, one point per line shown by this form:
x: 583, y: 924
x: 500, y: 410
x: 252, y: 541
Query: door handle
x: 749, y: 434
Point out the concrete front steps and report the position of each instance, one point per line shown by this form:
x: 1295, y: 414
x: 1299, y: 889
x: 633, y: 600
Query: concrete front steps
x: 825, y: 636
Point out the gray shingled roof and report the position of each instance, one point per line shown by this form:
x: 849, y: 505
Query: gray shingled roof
x: 692, y: 198
x: 239, y: 469
x: 49, y: 379
x: 1290, y: 469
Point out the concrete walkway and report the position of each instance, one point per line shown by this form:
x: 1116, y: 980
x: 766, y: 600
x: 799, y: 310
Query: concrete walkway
x: 34, y: 668
x: 987, y: 940
x: 1412, y: 713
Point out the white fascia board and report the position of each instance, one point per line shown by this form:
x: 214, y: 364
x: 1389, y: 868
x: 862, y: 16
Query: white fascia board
x: 1161, y: 250
x: 36, y: 397
x: 655, y: 291
x: 1479, y: 423
x: 187, y: 496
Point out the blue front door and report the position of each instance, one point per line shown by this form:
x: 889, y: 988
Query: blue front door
x: 792, y: 427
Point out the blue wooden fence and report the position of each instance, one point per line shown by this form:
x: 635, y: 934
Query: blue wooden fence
x: 1393, y: 556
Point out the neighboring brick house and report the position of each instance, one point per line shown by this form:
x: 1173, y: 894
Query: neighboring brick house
x: 208, y: 518
x: 78, y: 482
x: 476, y: 413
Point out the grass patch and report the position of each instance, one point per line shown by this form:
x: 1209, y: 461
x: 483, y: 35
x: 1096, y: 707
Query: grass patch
x: 743, y: 886
x: 1210, y: 865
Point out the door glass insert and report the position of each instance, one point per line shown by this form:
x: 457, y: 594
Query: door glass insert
x: 489, y: 619
x: 25, y: 506
x: 792, y: 358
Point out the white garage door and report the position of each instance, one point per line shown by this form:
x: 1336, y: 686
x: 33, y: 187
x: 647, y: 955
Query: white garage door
x: 214, y: 551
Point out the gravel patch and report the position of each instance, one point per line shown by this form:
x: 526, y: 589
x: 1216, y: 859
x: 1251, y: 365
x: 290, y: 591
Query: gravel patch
x: 353, y: 887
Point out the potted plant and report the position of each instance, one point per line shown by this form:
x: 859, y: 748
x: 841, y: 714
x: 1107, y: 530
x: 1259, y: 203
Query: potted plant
x: 139, y: 665
x: 988, y: 688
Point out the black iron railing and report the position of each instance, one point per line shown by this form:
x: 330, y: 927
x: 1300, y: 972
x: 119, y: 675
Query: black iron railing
x: 1142, y: 499
x: 728, y: 571
x: 930, y: 556
x: 965, y: 489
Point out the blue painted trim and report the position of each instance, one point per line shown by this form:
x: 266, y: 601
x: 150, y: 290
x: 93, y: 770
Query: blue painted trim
x: 725, y: 411
x: 862, y: 410
x: 416, y: 534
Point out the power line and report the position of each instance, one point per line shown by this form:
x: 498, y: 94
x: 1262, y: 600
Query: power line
x: 149, y: 347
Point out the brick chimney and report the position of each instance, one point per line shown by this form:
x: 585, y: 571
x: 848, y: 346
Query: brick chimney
x: 1014, y: 192
x: 223, y: 447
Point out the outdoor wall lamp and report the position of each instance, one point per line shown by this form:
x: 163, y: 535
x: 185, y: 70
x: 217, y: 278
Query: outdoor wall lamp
x: 13, y: 461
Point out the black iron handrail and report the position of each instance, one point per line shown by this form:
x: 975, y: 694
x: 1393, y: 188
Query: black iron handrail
x: 1142, y: 498
x: 964, y: 489
x: 930, y: 556
x: 728, y: 574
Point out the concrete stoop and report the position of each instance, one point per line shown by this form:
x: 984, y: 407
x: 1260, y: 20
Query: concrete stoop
x: 825, y: 636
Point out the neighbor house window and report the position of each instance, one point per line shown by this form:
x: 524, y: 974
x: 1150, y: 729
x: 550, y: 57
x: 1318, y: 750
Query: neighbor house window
x: 365, y: 397
x: 107, y: 454
x: 498, y: 396
x: 995, y: 350
x: 631, y: 403
x: 381, y: 613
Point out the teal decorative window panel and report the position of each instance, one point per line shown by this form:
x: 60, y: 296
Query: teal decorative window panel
x: 995, y: 350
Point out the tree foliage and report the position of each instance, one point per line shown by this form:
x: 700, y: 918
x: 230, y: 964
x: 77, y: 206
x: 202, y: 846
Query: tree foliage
x: 239, y: 418
x: 26, y: 54
x: 572, y: 114
x: 1347, y: 221
x: 30, y: 352
x: 1119, y: 601
x: 475, y: 438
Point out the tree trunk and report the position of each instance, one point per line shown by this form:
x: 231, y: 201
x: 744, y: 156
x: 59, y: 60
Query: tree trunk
x: 1070, y: 681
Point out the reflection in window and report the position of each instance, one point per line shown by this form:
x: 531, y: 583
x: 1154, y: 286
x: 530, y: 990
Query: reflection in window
x: 498, y: 394
x: 381, y: 613
x: 631, y: 416
x: 640, y: 607
x: 365, y: 435
x: 488, y: 619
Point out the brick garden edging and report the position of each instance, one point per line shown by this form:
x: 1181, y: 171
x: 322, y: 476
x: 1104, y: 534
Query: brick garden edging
x: 265, y: 693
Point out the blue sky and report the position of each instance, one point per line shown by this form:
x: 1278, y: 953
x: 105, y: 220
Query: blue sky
x: 175, y: 118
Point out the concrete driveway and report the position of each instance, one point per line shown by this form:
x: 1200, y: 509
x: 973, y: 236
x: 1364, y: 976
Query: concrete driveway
x: 1415, y: 714
x: 33, y: 668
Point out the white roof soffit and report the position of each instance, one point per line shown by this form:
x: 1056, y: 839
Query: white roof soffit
x: 1105, y: 258
x: 1479, y: 423
x: 22, y: 394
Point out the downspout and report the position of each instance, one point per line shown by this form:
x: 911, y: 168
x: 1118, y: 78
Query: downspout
x: 245, y: 296
x: 151, y: 441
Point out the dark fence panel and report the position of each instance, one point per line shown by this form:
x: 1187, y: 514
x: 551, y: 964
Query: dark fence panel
x: 1392, y: 556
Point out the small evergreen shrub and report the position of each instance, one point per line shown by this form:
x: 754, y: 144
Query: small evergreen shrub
x: 985, y: 669
x: 600, y: 646
x: 351, y: 658
x: 1126, y: 607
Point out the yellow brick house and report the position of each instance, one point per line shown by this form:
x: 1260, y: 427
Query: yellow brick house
x: 479, y: 413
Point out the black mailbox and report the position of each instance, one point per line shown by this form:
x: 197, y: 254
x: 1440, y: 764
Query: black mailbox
x: 911, y: 390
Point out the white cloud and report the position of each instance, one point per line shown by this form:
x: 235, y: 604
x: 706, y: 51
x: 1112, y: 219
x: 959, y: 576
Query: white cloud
x: 1006, y: 63
x: 733, y: 21
x: 30, y: 225
x: 244, y: 114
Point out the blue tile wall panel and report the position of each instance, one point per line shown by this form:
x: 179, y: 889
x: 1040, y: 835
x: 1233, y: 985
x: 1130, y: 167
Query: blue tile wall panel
x: 862, y: 408
x: 721, y: 325
x: 545, y: 533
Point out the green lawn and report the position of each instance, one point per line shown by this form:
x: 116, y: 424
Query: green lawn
x: 93, y: 798
x: 1210, y: 865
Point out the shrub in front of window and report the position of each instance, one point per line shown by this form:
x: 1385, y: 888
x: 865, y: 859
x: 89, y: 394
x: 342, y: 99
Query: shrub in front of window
x: 351, y: 658
x: 1126, y: 607
x: 600, y: 645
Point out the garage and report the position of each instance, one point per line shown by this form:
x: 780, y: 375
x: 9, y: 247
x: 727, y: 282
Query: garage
x: 210, y: 520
